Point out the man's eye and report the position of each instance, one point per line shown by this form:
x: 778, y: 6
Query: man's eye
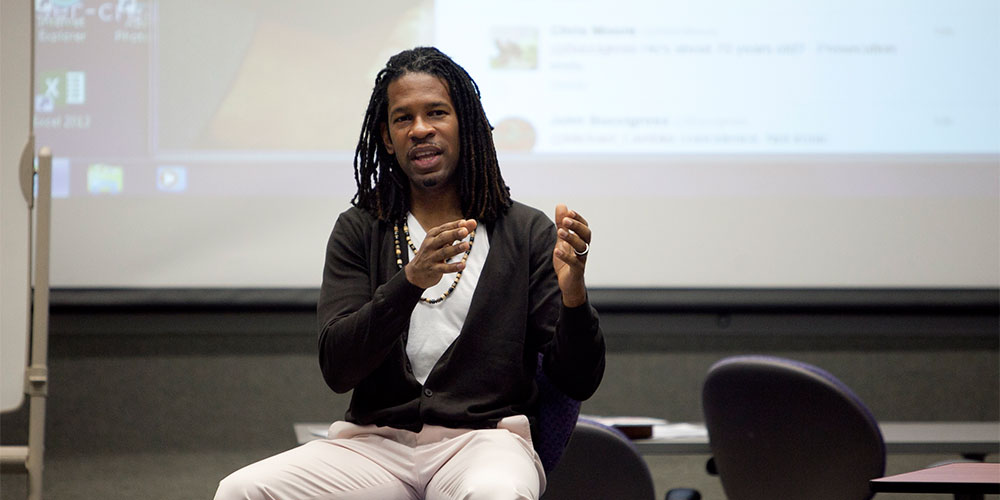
x: 402, y: 118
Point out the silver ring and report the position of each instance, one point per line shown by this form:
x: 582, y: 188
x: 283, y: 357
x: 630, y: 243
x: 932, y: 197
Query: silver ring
x: 584, y: 252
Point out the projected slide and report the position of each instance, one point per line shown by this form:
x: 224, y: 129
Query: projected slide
x: 148, y: 97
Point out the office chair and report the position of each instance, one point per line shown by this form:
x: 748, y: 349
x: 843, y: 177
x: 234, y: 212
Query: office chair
x: 780, y: 428
x: 595, y: 461
x: 557, y: 414
x: 600, y: 463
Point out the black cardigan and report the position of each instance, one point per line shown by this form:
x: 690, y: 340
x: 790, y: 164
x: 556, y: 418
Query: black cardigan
x: 488, y: 372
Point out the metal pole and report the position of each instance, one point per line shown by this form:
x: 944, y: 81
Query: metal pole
x: 37, y: 383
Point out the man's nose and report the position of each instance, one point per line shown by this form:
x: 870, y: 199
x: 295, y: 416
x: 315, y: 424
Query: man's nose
x: 421, y: 129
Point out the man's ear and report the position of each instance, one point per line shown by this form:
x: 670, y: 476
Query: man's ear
x: 387, y: 141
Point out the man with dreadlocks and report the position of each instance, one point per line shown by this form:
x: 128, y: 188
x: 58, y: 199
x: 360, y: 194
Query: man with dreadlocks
x: 439, y: 293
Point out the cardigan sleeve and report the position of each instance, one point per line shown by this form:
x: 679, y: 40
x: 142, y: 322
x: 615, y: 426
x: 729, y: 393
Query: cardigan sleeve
x: 358, y: 326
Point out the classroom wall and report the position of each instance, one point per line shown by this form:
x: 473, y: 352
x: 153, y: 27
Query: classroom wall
x: 190, y: 379
x: 197, y: 387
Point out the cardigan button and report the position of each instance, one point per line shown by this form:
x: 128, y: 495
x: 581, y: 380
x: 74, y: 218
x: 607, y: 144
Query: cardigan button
x: 428, y: 392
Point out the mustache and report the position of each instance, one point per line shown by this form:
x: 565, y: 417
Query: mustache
x: 422, y: 147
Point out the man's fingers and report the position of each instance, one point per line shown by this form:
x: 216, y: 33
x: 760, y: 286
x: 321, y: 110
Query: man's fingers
x: 447, y: 226
x: 447, y: 234
x: 567, y: 254
x: 574, y: 241
x: 442, y: 248
x: 452, y: 268
x: 468, y: 224
x: 572, y: 221
x: 448, y: 251
x: 575, y: 226
x: 569, y: 214
x: 561, y: 212
x: 448, y: 238
x: 574, y: 236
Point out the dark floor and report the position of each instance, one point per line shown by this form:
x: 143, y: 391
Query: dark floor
x: 150, y: 476
x: 193, y: 475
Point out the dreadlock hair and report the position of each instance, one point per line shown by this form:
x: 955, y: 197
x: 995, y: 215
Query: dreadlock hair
x: 383, y: 187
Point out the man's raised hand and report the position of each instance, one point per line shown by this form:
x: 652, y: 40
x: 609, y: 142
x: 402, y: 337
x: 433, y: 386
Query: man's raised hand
x: 570, y: 255
x: 430, y: 262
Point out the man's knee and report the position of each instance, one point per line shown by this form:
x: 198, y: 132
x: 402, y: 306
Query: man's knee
x: 496, y: 487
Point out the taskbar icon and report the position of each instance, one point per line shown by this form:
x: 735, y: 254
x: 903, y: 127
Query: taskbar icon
x: 104, y: 179
x: 171, y: 179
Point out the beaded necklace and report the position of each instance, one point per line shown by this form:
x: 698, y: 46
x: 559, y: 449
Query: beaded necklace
x: 399, y: 258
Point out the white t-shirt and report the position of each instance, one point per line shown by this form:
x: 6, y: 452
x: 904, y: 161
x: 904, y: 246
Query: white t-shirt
x: 433, y: 327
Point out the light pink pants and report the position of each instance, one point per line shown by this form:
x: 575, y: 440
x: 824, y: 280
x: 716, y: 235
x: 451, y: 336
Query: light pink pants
x: 381, y: 463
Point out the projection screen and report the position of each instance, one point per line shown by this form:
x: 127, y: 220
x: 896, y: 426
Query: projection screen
x: 807, y: 143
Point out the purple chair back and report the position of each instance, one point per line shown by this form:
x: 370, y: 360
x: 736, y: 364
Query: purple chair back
x: 780, y: 428
x: 557, y: 415
x: 600, y: 463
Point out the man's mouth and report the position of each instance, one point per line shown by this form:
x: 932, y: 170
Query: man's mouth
x: 425, y: 156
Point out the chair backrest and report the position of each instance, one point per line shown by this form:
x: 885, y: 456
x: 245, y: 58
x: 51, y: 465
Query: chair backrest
x: 557, y: 414
x: 780, y: 428
x: 600, y: 463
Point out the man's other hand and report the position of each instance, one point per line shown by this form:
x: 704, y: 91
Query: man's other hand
x: 570, y: 255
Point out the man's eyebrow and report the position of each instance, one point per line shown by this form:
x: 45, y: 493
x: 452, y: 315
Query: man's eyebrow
x: 398, y: 109
x: 431, y: 105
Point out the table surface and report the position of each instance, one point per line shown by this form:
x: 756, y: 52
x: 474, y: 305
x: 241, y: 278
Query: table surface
x: 982, y: 438
x: 962, y: 477
x: 958, y: 438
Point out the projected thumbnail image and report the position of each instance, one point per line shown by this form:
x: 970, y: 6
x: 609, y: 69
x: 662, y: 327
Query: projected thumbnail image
x: 517, y: 47
x: 514, y: 134
x: 60, y: 88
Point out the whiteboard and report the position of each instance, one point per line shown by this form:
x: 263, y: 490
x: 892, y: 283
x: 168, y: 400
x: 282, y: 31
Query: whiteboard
x: 15, y: 101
